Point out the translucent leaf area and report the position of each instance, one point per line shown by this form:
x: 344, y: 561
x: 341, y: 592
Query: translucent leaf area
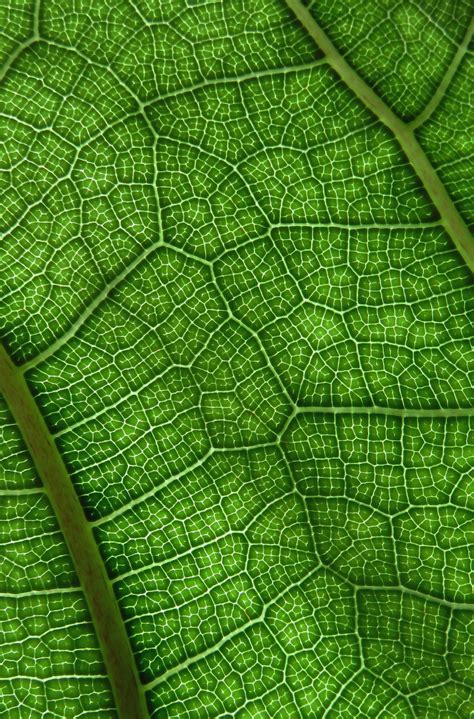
x: 252, y: 341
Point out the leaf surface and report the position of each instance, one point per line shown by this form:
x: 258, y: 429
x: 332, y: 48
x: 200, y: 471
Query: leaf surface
x: 245, y: 321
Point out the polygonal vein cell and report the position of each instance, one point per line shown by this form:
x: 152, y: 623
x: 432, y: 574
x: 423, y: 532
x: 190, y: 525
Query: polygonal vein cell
x: 99, y: 594
x: 451, y: 219
x: 249, y: 335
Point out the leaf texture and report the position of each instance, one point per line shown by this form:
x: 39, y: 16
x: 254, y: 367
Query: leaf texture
x: 249, y: 331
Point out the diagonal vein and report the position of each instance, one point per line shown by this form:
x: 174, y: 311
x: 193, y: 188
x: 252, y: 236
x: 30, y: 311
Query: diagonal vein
x: 77, y: 531
x: 450, y: 218
x: 442, y: 88
x: 90, y: 308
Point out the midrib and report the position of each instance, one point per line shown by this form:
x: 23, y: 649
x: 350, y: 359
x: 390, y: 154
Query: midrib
x: 105, y: 613
x: 450, y: 218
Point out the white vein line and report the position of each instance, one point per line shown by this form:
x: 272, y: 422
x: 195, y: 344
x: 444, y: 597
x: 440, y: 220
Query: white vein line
x: 215, y: 541
x: 446, y: 80
x: 45, y: 680
x: 41, y: 592
x: 152, y: 492
x: 347, y: 226
x: 260, y: 618
x: 210, y: 82
x: 21, y: 492
x: 132, y: 394
x: 89, y: 310
x: 102, y: 295
x: 255, y: 75
x: 15, y: 55
x: 453, y: 605
x: 387, y: 411
x: 390, y: 411
x: 19, y: 50
x: 402, y: 589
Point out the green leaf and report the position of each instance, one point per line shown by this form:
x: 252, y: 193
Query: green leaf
x: 237, y: 425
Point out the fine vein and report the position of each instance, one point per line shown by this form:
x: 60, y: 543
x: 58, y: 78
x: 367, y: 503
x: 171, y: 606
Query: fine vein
x: 450, y: 218
x: 390, y: 411
x: 446, y: 80
x: 90, y: 308
x: 77, y: 531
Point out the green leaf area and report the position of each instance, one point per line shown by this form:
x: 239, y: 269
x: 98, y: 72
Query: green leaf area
x: 237, y: 310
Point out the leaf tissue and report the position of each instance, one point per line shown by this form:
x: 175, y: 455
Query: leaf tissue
x: 237, y: 359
